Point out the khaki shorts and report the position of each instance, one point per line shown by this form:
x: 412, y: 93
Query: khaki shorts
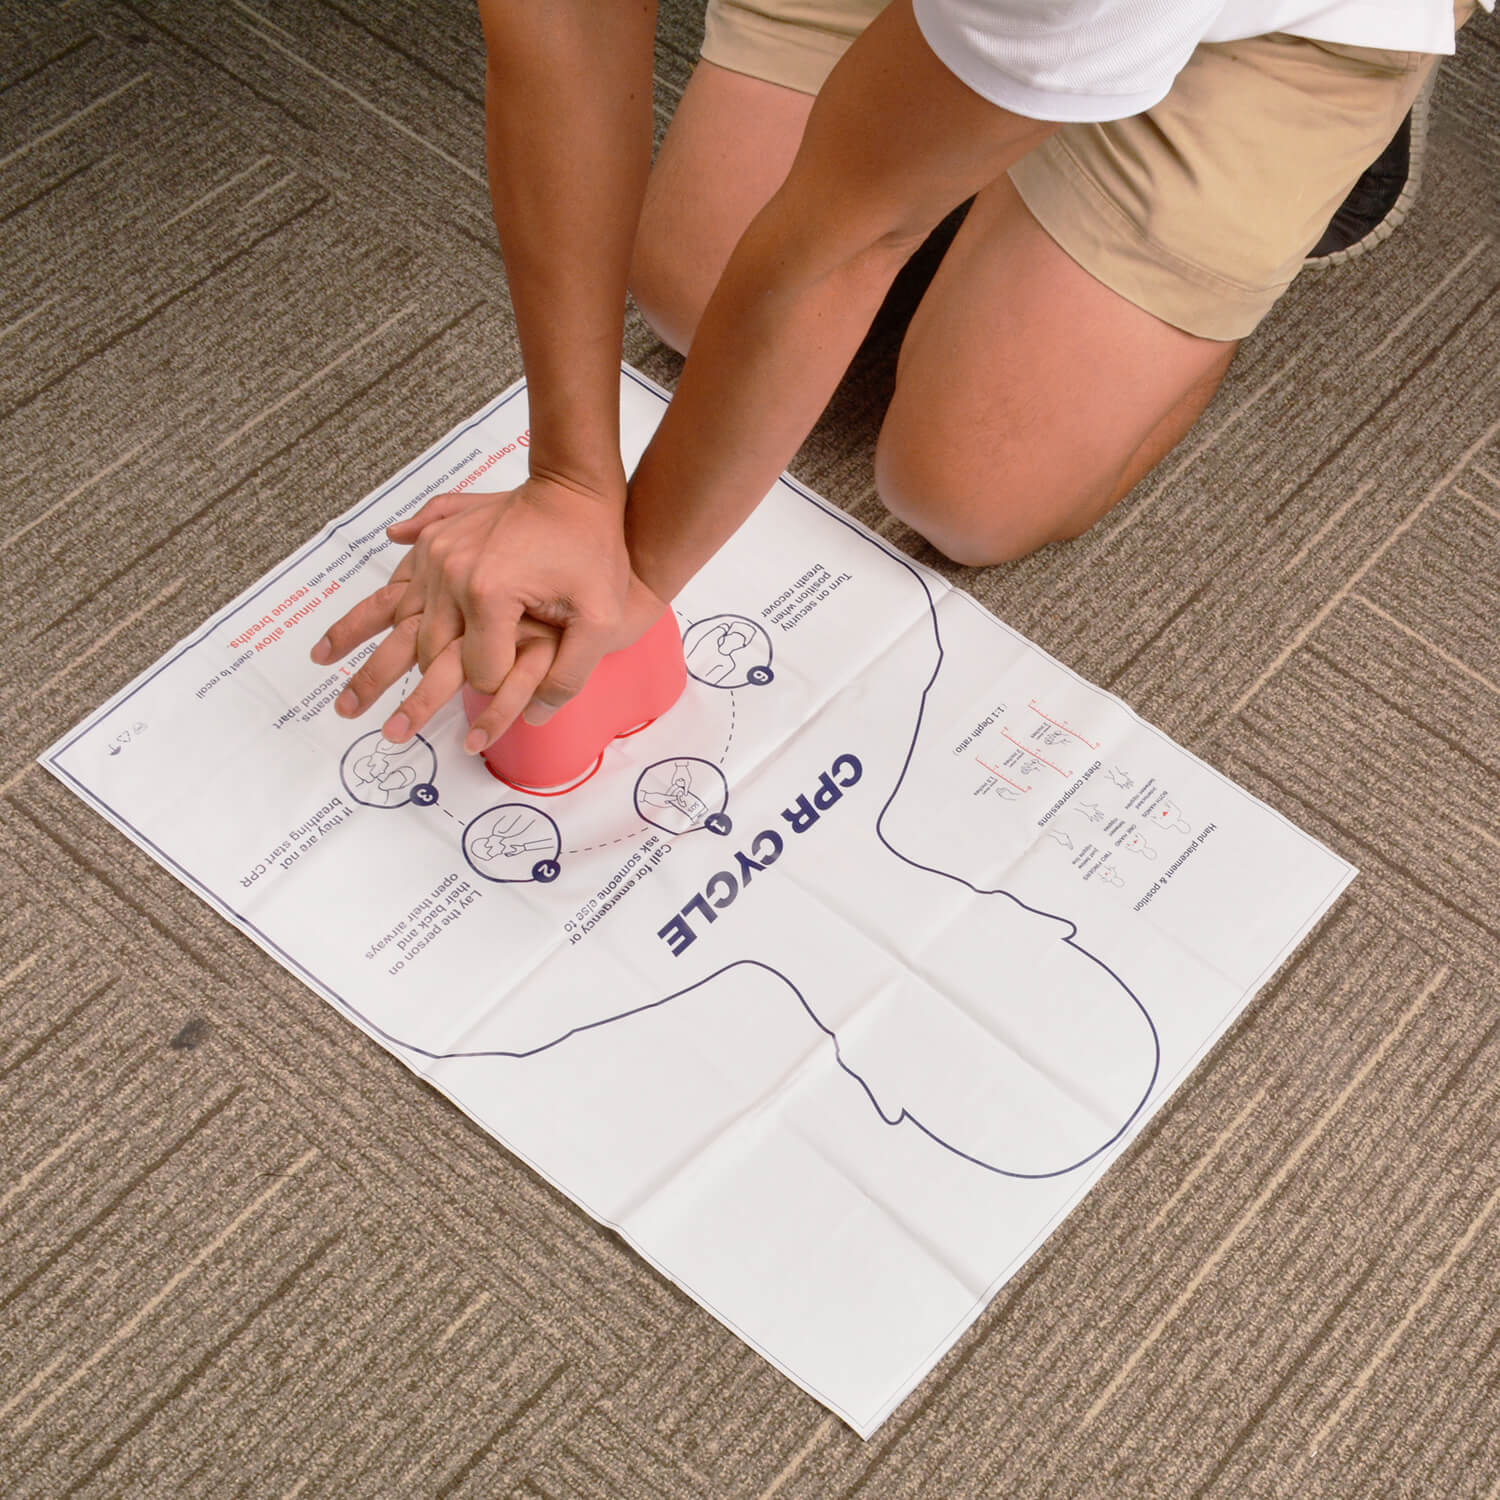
x: 1202, y: 209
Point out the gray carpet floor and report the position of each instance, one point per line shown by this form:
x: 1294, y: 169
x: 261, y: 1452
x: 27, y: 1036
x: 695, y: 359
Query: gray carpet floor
x: 246, y: 272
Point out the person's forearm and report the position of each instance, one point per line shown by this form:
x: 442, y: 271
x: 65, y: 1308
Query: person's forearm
x: 766, y: 357
x: 568, y: 144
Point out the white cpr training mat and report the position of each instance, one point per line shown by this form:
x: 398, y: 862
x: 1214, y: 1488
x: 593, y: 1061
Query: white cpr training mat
x: 832, y: 991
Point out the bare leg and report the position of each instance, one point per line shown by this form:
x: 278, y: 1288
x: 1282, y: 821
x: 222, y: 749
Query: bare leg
x: 726, y: 152
x: 1030, y: 397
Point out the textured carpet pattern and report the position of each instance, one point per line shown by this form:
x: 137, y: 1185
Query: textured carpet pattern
x: 246, y: 271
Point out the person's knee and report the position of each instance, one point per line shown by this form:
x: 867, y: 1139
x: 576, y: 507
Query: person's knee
x: 668, y: 286
x: 977, y: 508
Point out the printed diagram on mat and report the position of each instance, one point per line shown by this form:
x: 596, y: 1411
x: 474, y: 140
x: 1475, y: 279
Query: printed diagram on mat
x: 955, y: 1096
x: 832, y: 990
x: 381, y: 774
x: 728, y: 651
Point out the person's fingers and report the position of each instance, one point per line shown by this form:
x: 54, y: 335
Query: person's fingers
x: 381, y: 609
x: 393, y: 657
x: 490, y: 652
x: 529, y: 628
x: 515, y: 693
x: 577, y: 655
x: 442, y: 624
x: 441, y: 679
x: 437, y: 509
x: 452, y: 607
x: 369, y: 617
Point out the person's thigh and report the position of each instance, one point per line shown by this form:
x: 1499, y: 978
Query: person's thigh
x: 1029, y: 396
x: 1094, y: 298
x: 730, y: 144
x: 726, y: 152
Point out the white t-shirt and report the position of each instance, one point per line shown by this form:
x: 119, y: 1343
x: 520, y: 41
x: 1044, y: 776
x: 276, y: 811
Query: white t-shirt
x: 1107, y: 59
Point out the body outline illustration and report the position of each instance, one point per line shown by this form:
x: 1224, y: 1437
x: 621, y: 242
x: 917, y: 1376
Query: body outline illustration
x: 902, y: 1115
x: 221, y: 902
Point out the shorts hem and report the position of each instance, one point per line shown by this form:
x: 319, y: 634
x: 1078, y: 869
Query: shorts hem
x: 744, y: 41
x: 1100, y: 237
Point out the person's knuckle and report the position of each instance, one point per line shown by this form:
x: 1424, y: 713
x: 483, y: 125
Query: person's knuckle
x: 484, y: 679
x: 482, y: 651
x: 492, y: 601
x: 598, y: 602
x: 489, y: 573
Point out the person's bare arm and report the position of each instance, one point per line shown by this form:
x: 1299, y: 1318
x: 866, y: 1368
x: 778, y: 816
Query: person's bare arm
x: 568, y: 144
x: 894, y: 142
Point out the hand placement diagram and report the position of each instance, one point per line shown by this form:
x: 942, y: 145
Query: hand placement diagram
x: 713, y: 657
x: 379, y: 774
x: 728, y: 651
